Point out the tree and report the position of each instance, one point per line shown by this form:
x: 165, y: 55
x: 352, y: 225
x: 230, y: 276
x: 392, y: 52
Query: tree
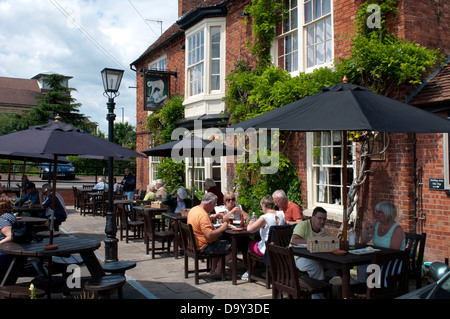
x: 125, y: 135
x: 60, y: 101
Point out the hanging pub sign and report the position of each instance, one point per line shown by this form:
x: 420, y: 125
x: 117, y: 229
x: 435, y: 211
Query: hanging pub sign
x: 156, y: 90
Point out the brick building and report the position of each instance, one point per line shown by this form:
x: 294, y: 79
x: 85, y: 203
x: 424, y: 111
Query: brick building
x: 18, y: 95
x: 210, y: 36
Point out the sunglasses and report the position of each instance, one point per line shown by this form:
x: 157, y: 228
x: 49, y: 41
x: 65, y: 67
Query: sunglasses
x: 230, y: 199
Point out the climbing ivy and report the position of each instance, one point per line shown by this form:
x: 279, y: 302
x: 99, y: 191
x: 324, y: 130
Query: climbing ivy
x: 381, y: 60
x: 266, y: 15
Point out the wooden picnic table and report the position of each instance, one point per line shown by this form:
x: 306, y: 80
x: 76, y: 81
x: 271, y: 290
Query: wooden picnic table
x: 32, y: 211
x: 31, y: 220
x: 344, y: 262
x: 235, y: 235
x: 66, y: 246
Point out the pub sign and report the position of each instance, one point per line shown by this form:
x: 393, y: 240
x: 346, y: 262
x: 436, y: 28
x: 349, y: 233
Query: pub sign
x: 156, y: 90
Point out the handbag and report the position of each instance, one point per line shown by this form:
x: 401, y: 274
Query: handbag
x: 22, y: 233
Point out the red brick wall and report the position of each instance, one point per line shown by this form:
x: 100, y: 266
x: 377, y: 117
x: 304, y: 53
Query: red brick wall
x: 390, y: 179
x: 237, y: 35
x: 175, y: 62
x: 435, y: 203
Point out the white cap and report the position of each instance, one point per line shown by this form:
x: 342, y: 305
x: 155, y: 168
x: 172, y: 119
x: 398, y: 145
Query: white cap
x: 181, y: 192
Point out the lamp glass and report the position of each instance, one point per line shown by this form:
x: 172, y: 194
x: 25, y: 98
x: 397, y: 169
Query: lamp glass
x: 111, y: 79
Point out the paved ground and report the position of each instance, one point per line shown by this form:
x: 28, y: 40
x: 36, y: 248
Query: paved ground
x: 162, y: 277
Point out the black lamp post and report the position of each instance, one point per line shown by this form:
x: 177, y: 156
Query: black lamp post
x: 111, y: 82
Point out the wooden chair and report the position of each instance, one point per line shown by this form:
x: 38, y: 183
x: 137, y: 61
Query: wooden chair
x: 416, y: 244
x: 98, y: 203
x: 285, y: 276
x: 393, y: 276
x: 76, y: 200
x: 190, y: 250
x: 150, y: 233
x: 279, y: 235
x: 86, y: 206
x: 142, y: 194
x: 125, y: 224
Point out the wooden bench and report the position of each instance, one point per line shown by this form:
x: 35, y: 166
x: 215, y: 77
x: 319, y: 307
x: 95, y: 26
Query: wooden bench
x: 105, y: 285
x: 119, y: 267
x: 19, y: 292
x: 46, y: 234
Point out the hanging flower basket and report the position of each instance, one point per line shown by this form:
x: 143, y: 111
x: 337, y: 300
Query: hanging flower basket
x: 360, y: 136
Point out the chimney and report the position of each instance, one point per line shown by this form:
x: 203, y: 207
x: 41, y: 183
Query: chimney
x: 186, y: 5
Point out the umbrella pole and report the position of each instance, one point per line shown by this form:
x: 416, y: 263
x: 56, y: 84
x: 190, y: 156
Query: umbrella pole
x: 55, y: 165
x: 344, y: 189
x: 9, y: 174
x: 192, y: 182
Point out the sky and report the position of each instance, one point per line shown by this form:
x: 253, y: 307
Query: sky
x: 80, y: 38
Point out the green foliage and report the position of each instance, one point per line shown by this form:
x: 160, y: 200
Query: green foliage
x: 266, y: 15
x: 380, y: 60
x: 10, y: 123
x: 161, y: 123
x: 250, y: 94
x: 251, y: 185
x: 172, y: 173
x: 125, y: 135
x: 58, y: 99
x: 388, y: 8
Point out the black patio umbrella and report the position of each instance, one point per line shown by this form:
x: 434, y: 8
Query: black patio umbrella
x: 27, y: 157
x: 347, y: 107
x: 192, y: 146
x: 57, y: 138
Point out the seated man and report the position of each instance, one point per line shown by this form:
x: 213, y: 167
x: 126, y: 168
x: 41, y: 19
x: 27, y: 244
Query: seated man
x: 206, y: 236
x: 311, y: 228
x: 292, y: 212
x: 177, y: 200
x: 101, y: 185
x: 32, y: 195
x: 45, y: 196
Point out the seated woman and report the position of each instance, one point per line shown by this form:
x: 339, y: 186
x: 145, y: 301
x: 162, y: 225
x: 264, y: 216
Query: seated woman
x: 270, y: 217
x: 151, y: 192
x: 387, y: 233
x: 234, y: 211
x: 231, y: 206
x: 7, y: 219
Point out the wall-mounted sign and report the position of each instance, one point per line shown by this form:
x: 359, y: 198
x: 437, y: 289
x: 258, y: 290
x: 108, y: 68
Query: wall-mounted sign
x: 436, y: 184
x: 156, y: 90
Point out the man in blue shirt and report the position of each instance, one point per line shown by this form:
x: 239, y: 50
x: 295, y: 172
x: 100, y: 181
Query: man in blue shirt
x: 45, y: 196
x: 32, y: 195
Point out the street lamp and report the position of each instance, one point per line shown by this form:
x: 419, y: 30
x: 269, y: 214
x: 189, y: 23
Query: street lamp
x: 111, y: 83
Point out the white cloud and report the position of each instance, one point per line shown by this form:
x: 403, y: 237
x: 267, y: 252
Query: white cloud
x: 79, y: 39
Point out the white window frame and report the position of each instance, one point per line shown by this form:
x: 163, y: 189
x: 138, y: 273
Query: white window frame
x: 207, y: 92
x: 159, y: 64
x: 335, y: 211
x: 302, y: 34
x: 446, y: 158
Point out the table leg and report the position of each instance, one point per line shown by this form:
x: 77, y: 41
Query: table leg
x: 92, y: 264
x: 14, y: 270
x: 345, y: 278
x: 234, y: 260
x: 175, y: 240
